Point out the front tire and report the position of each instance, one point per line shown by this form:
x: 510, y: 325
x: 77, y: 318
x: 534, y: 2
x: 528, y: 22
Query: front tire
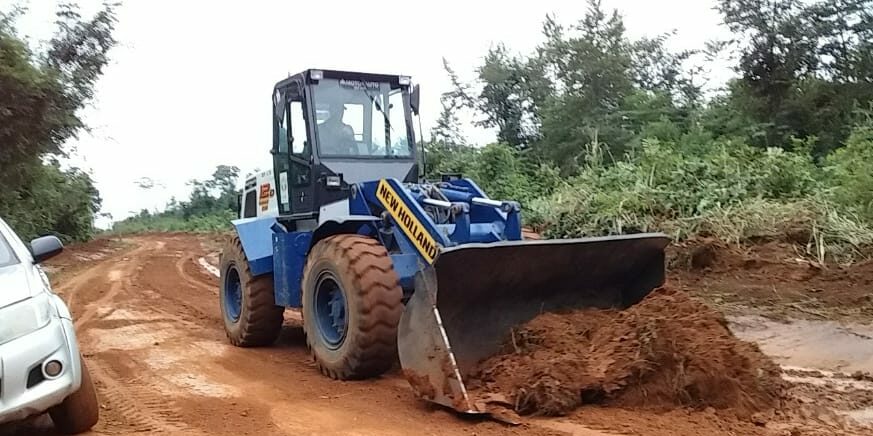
x: 81, y: 410
x: 248, y: 306
x: 351, y: 307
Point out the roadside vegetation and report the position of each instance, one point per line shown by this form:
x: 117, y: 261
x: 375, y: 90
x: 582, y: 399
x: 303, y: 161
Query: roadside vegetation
x: 43, y: 87
x: 601, y: 134
x: 210, y: 208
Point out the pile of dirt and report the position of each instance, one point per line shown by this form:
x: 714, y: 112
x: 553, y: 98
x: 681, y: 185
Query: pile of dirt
x: 668, y: 351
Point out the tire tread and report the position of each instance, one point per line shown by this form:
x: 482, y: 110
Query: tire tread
x: 81, y: 410
x: 260, y: 319
x: 366, y: 265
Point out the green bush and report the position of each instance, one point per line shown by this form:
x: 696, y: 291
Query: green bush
x: 501, y: 171
x: 850, y: 172
x: 723, y: 189
x: 210, y: 208
x: 213, y: 222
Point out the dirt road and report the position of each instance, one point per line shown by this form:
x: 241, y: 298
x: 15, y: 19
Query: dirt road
x: 148, y: 320
x: 149, y: 324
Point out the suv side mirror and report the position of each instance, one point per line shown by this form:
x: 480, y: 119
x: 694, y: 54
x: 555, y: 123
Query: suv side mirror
x: 415, y: 99
x: 45, y: 247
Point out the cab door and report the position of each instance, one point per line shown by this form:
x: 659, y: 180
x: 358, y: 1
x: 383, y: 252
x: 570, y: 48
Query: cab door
x: 292, y: 153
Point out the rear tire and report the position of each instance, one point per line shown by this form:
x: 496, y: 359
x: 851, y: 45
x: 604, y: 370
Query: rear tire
x: 351, y: 307
x: 81, y: 410
x: 248, y: 306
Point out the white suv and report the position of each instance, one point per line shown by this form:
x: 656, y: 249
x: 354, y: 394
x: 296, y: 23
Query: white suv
x: 40, y: 365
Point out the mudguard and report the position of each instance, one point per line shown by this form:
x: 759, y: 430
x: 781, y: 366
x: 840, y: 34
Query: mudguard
x: 256, y: 236
x: 341, y: 224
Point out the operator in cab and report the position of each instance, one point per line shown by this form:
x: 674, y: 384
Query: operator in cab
x: 335, y: 136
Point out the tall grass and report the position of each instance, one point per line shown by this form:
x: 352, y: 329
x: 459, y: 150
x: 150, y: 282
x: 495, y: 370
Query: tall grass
x: 214, y: 222
x: 723, y: 189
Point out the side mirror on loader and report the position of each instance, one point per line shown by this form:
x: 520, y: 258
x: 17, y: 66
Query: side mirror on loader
x: 415, y: 99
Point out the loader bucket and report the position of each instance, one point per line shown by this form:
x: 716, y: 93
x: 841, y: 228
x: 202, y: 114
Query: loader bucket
x: 464, y: 306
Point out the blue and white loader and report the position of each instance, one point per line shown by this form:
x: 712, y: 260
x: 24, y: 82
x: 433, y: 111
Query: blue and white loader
x: 384, y: 264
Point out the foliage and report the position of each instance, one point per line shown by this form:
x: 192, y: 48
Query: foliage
x: 147, y: 222
x: 597, y: 132
x: 584, y: 83
x: 850, y: 170
x: 55, y: 201
x: 804, y: 67
x: 725, y: 188
x: 210, y: 207
x: 40, y: 96
x: 601, y: 134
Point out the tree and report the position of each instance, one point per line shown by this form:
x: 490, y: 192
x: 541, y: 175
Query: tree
x: 584, y: 83
x: 804, y: 69
x: 447, y: 129
x: 40, y: 96
x: 211, y: 206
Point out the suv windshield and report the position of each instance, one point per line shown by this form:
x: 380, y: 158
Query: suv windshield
x: 360, y: 119
x: 7, y: 257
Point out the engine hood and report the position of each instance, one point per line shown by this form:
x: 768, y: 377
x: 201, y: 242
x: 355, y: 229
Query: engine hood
x: 15, y: 284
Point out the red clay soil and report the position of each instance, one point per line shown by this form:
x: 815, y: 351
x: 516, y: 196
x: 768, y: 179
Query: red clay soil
x: 667, y: 352
x: 775, y: 279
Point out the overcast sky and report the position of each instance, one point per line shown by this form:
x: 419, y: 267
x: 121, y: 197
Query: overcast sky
x: 189, y: 85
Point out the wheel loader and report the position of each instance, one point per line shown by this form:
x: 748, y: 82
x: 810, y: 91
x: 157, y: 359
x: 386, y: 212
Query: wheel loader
x: 383, y: 264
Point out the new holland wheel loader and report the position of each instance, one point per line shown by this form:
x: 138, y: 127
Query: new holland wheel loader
x: 384, y: 264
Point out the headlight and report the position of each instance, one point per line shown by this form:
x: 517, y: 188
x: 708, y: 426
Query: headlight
x: 25, y: 317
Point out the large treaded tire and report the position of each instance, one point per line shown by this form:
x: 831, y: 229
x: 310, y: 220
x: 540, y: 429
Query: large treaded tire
x: 365, y: 275
x: 259, y: 320
x: 81, y: 410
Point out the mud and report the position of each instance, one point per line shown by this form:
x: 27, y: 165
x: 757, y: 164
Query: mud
x: 149, y: 324
x: 773, y: 279
x: 667, y: 352
x: 840, y: 346
x: 148, y: 320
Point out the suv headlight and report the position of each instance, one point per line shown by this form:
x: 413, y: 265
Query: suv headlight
x: 24, y: 317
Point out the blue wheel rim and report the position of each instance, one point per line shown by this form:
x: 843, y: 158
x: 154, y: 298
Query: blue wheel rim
x: 232, y: 294
x: 331, y: 312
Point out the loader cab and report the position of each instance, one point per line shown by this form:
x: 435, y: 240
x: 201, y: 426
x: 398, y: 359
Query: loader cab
x: 334, y: 128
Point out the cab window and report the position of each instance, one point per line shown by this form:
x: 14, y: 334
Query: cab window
x: 250, y: 204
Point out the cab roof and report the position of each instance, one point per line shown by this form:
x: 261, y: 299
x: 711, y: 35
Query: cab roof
x: 305, y: 76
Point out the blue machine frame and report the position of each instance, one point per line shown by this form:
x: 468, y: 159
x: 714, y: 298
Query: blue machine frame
x: 271, y: 249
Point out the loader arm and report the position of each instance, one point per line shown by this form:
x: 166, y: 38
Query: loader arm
x: 418, y: 233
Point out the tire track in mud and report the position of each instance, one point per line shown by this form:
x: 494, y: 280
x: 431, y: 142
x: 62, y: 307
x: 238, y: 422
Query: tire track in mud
x: 191, y: 262
x: 131, y: 401
x: 150, y: 322
x: 141, y: 408
x: 150, y: 326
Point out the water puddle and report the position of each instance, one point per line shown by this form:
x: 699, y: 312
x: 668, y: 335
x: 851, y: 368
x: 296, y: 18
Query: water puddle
x: 822, y: 345
x: 831, y: 358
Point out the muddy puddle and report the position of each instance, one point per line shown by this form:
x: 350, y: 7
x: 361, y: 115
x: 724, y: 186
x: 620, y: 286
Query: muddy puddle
x: 830, y: 361
x: 828, y: 345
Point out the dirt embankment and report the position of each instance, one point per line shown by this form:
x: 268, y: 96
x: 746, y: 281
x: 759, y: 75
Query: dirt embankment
x: 772, y: 279
x: 667, y: 352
